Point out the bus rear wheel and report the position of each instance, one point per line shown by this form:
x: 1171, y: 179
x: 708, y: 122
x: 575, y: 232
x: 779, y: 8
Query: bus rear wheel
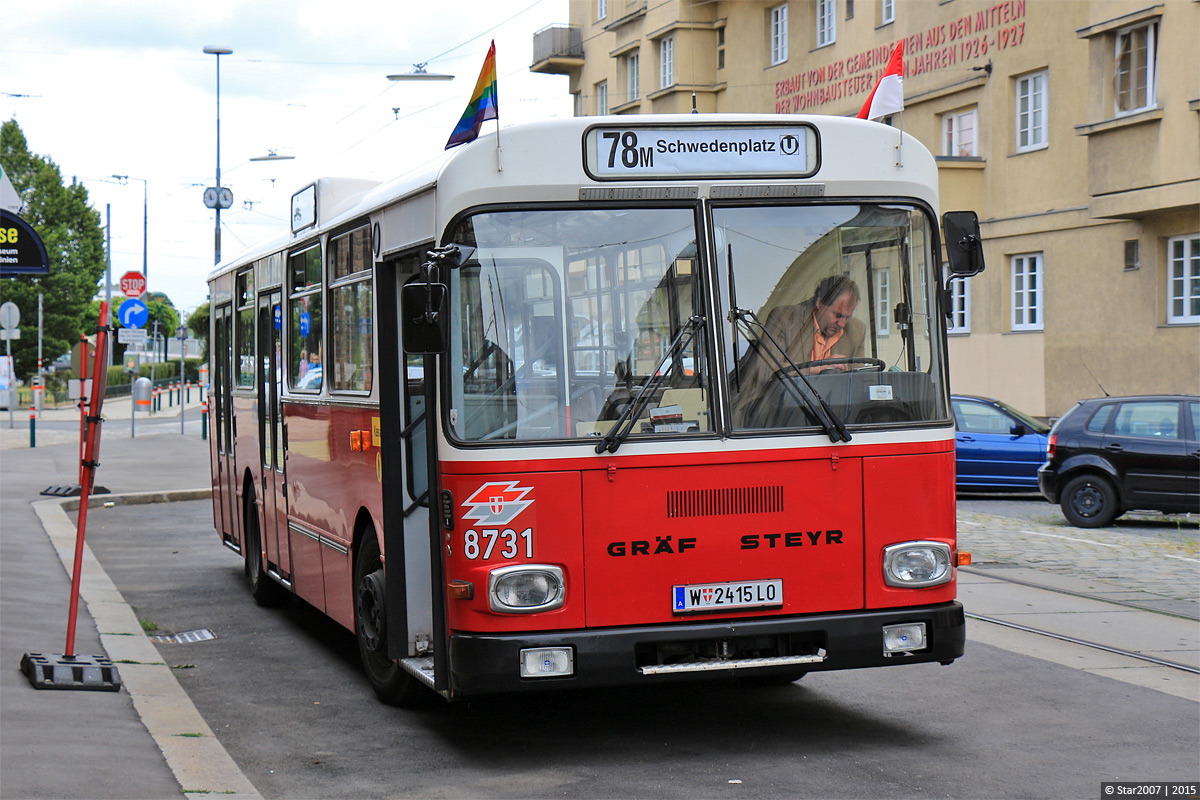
x: 265, y: 591
x: 392, y: 684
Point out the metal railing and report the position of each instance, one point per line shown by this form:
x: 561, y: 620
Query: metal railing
x: 557, y: 41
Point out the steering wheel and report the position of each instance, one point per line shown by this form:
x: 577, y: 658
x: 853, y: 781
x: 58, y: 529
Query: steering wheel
x: 867, y: 363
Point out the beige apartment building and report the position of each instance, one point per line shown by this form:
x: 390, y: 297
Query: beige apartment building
x: 1071, y: 126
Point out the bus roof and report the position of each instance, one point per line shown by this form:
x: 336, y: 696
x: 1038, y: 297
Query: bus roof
x: 549, y: 160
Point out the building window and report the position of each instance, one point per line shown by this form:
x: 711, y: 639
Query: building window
x: 1183, y: 279
x: 631, y: 77
x: 779, y: 39
x: 958, y: 133
x: 666, y: 62
x: 826, y: 17
x: 1027, y: 292
x: 602, y: 98
x: 1031, y: 111
x: 887, y: 11
x: 883, y: 286
x: 959, y: 320
x: 601, y: 9
x: 720, y: 48
x: 1133, y: 81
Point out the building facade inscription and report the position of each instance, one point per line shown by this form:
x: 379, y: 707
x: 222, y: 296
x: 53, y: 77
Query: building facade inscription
x: 972, y: 36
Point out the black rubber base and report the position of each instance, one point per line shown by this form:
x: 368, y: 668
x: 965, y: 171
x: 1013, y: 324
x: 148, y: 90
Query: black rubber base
x: 84, y: 673
x: 71, y: 490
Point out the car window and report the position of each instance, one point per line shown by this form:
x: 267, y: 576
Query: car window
x: 1153, y: 420
x: 1032, y: 423
x: 1195, y: 408
x: 978, y: 418
x: 1099, y: 420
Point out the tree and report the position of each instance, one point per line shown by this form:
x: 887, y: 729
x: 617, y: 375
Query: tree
x: 74, y: 241
x: 198, y: 324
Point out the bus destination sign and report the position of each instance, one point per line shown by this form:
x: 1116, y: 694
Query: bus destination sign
x: 686, y: 151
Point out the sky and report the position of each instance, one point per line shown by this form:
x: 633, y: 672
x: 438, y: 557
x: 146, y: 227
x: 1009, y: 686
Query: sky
x: 123, y: 87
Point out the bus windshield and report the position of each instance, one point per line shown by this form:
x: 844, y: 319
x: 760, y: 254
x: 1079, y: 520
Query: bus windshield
x: 577, y: 323
x: 565, y: 317
x: 833, y: 302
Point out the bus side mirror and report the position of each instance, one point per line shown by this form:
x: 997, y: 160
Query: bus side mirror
x: 424, y: 318
x: 964, y: 246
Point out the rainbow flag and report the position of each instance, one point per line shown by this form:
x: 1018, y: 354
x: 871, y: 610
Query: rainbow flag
x: 483, y: 105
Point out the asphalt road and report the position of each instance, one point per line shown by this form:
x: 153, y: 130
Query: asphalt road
x: 283, y: 691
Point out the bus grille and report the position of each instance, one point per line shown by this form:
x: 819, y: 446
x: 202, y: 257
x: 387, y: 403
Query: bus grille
x: 722, y: 502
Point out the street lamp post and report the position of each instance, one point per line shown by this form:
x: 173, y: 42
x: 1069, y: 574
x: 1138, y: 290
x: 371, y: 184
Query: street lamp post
x: 123, y: 180
x: 217, y: 197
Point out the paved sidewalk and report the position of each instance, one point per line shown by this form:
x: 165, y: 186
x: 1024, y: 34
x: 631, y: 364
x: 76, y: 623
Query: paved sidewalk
x: 146, y: 740
x: 52, y: 425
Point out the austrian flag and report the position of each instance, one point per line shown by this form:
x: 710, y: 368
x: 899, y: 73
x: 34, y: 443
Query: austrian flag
x: 888, y: 95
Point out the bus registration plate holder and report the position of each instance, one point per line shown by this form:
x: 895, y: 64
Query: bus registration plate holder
x: 699, y: 597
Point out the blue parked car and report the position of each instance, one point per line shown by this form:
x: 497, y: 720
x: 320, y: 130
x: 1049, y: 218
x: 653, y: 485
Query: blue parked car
x: 998, y: 448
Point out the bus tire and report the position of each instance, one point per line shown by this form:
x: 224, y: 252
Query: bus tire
x: 265, y: 591
x: 392, y: 684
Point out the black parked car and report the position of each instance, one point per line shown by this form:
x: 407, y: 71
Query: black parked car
x: 1116, y: 454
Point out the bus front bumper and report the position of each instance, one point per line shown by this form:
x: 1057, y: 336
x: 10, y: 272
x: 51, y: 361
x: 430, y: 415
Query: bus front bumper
x: 698, y: 650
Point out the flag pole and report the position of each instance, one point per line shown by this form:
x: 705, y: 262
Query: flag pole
x: 900, y: 142
x: 499, y: 164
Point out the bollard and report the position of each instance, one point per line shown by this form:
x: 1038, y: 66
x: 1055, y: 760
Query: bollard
x: 170, y: 395
x: 204, y: 422
x: 189, y: 391
x: 32, y: 428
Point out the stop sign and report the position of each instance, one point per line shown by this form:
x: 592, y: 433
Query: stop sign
x: 133, y: 283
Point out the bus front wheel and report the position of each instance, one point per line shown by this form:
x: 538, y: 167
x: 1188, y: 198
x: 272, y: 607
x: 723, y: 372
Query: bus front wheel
x: 392, y: 684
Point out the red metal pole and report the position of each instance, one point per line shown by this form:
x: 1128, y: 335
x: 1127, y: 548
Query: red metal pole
x: 88, y: 464
x: 83, y: 371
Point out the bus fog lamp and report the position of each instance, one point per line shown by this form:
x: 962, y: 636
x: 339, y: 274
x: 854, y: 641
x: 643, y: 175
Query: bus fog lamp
x: 904, y: 638
x: 526, y: 588
x: 547, y: 662
x: 917, y: 564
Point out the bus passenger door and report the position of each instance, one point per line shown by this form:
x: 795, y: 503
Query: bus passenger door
x: 270, y: 434
x: 415, y: 606
x: 225, y: 490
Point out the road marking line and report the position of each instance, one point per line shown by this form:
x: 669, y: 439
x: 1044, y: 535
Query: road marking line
x: 1072, y: 539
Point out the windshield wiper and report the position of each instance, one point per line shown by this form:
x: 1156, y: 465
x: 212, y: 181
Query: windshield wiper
x: 625, y: 423
x: 804, y: 391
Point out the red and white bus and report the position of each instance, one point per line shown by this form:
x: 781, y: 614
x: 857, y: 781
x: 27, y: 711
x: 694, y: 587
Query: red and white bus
x: 604, y: 400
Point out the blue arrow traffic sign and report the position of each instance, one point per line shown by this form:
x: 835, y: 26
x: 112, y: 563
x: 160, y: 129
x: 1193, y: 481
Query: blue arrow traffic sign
x: 133, y: 313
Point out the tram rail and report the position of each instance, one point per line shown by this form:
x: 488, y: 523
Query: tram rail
x: 1162, y: 662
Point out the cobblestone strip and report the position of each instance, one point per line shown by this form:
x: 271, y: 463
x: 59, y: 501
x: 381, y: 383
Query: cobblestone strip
x: 1163, y: 560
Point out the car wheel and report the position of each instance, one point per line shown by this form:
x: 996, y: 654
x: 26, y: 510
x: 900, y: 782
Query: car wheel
x: 1089, y: 501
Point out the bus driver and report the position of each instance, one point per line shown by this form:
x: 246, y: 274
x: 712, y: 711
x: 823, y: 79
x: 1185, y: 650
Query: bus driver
x: 820, y: 328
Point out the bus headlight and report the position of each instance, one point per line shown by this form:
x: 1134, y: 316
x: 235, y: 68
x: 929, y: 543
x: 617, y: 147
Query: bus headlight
x: 526, y: 588
x: 917, y: 564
